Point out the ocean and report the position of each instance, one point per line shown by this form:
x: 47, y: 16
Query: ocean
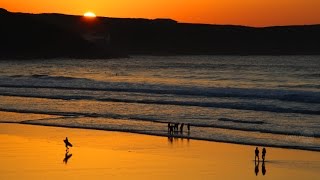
x: 256, y: 100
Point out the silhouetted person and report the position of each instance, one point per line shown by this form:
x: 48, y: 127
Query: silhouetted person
x: 264, y: 170
x: 67, y: 143
x: 181, y: 128
x: 188, y: 126
x: 264, y: 152
x: 67, y: 157
x: 176, y: 126
x: 256, y: 168
x: 169, y: 127
x: 257, y: 154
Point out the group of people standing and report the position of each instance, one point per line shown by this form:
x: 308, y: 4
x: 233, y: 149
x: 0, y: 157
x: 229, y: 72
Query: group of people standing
x: 174, y: 127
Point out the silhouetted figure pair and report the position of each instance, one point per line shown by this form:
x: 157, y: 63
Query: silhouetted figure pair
x: 264, y: 152
x: 256, y: 169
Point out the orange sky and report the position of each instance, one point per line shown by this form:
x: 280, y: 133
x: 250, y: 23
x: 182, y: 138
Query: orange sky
x: 241, y: 12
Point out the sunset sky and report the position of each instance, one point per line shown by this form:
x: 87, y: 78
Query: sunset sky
x: 241, y: 12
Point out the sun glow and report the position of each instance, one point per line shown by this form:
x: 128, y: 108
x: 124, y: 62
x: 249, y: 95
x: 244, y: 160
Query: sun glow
x: 89, y: 14
x: 241, y: 12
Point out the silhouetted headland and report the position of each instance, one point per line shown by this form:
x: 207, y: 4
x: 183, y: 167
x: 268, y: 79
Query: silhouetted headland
x: 27, y: 36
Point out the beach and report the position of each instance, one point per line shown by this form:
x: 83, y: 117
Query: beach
x: 38, y: 152
x: 269, y: 101
x: 153, y: 90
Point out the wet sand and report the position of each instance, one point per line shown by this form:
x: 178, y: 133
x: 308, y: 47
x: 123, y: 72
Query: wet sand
x: 38, y: 152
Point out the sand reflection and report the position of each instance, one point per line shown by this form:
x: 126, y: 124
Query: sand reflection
x: 67, y: 157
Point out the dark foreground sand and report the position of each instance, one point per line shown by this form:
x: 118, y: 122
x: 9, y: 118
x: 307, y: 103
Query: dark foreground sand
x: 36, y: 152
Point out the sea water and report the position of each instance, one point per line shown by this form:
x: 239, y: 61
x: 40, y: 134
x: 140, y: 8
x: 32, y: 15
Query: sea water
x: 256, y: 100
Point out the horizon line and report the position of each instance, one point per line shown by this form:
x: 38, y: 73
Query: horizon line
x: 168, y: 18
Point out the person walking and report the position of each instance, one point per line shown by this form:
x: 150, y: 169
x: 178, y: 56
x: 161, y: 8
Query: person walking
x: 67, y: 143
x: 256, y: 154
x: 264, y: 152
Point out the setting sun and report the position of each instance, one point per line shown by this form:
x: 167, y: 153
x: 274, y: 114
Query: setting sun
x: 243, y: 12
x: 89, y: 14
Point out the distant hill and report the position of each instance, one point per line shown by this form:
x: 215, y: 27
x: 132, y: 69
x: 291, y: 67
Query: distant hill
x: 57, y: 35
x: 3, y: 11
x: 26, y: 36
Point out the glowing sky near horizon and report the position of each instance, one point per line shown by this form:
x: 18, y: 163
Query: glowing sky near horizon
x: 241, y: 12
